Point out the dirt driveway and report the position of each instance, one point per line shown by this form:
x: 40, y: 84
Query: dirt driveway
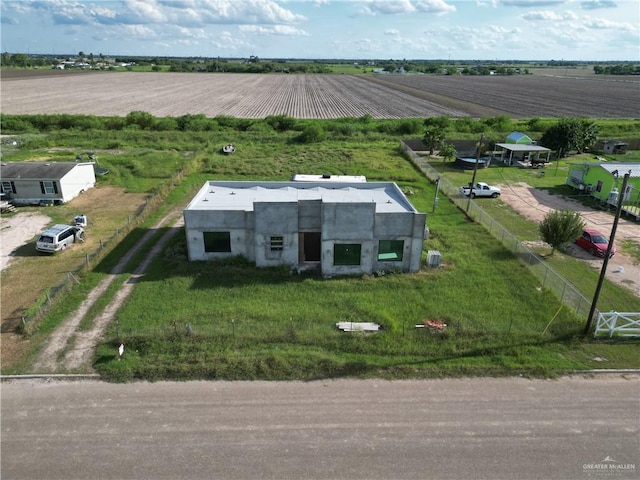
x: 534, y: 204
x: 17, y: 230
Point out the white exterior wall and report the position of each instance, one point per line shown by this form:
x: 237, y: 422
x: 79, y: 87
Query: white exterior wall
x: 82, y: 177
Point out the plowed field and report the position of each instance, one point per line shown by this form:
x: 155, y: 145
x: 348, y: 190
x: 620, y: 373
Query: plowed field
x: 531, y: 96
x: 317, y: 96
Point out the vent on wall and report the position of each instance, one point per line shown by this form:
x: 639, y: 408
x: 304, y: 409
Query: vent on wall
x: 434, y: 259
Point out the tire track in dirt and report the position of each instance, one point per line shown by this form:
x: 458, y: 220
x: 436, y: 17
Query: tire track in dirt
x: 80, y: 355
x: 85, y: 342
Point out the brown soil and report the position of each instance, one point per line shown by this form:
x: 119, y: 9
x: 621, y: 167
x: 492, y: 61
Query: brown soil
x: 318, y: 96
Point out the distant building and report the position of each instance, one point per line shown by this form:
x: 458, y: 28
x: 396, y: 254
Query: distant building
x: 614, y: 147
x: 519, y: 139
x: 520, y: 148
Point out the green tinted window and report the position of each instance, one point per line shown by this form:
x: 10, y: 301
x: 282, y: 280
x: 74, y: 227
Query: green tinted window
x: 217, y: 241
x: 346, y: 254
x: 390, y: 250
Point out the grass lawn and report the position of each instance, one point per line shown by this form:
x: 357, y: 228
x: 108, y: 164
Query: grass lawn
x: 230, y: 320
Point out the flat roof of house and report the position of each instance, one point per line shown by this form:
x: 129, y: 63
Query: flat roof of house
x: 37, y: 170
x: 516, y: 147
x: 230, y: 195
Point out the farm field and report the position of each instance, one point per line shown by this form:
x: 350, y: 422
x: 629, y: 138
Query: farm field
x: 237, y: 95
x: 318, y: 96
x: 534, y: 96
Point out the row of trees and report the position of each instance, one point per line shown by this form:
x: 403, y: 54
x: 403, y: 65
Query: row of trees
x: 564, y: 136
x: 626, y: 69
x: 348, y: 126
x: 22, y: 60
x: 140, y: 120
x: 217, y: 65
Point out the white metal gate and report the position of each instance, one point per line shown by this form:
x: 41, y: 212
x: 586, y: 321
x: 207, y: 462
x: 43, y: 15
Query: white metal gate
x: 623, y: 324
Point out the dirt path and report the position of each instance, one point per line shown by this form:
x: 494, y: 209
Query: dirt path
x: 80, y: 353
x: 534, y: 204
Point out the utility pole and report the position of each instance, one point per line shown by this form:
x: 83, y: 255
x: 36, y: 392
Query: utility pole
x: 594, y: 303
x: 475, y: 170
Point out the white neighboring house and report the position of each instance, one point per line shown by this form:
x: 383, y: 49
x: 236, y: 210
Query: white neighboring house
x: 337, y: 228
x: 29, y: 183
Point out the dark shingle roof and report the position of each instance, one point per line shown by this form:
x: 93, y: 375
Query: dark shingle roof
x: 35, y: 170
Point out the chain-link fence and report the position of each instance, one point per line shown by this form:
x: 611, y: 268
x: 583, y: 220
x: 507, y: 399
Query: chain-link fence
x: 549, y: 278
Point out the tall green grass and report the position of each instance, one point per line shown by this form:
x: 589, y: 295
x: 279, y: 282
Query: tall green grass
x: 231, y: 320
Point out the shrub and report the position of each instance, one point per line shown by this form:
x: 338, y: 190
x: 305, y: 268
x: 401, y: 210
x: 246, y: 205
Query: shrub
x: 560, y: 226
x: 260, y: 127
x: 281, y: 123
x: 442, y: 122
x: 167, y: 124
x: 142, y: 120
x: 311, y: 134
x: 501, y: 123
x: 16, y: 125
x: 194, y: 123
x: 409, y: 126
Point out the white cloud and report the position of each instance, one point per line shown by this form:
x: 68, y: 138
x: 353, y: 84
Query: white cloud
x: 195, y: 33
x: 287, y: 30
x: 604, y: 24
x: 399, y: 7
x: 146, y: 11
x: 439, y: 7
x: 228, y: 42
x: 388, y: 7
x: 488, y: 3
x: 392, y: 32
x: 531, y: 3
x: 595, y: 4
x: 138, y: 32
x: 178, y: 12
x: 502, y: 30
x: 548, y: 15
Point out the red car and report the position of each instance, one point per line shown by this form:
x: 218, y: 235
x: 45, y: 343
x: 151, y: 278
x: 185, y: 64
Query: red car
x: 595, y: 243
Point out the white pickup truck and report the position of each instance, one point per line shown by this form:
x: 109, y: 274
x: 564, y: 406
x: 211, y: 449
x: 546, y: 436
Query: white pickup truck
x: 480, y: 189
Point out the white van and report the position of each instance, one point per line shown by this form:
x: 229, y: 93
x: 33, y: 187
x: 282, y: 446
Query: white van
x: 59, y: 237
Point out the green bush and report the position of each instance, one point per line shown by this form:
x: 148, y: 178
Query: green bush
x: 142, y: 120
x: 16, y: 125
x: 281, y: 123
x: 311, y: 134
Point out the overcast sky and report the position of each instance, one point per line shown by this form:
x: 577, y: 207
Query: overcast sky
x: 344, y: 29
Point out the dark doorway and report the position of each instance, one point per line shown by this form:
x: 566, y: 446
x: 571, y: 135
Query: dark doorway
x: 310, y: 243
